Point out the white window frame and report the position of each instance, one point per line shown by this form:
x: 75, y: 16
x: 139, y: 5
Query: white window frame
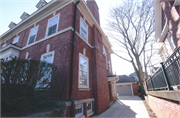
x: 82, y: 86
x: 47, y: 28
x: 4, y: 45
x: 86, y: 29
x: 30, y: 34
x: 79, y: 114
x: 52, y: 52
x: 17, y: 40
x: 171, y: 41
x: 90, y: 110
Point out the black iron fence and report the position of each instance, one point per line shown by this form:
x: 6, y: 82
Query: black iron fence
x: 168, y: 75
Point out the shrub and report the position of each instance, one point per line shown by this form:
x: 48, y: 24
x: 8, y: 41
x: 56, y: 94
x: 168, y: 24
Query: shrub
x: 25, y: 82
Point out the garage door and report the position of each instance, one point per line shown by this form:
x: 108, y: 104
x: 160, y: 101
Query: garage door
x: 124, y: 90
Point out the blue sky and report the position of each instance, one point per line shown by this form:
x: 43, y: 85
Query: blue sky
x: 11, y: 10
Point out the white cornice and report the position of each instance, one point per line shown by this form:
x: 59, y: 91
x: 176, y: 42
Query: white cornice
x: 10, y: 46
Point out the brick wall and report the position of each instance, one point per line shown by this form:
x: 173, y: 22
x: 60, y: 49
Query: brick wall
x: 135, y: 88
x: 163, y: 108
x: 172, y: 19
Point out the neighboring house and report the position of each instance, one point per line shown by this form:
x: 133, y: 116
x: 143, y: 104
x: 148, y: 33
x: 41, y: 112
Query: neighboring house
x: 167, y: 26
x: 48, y: 34
x: 134, y: 76
x: 163, y: 86
x: 126, y: 86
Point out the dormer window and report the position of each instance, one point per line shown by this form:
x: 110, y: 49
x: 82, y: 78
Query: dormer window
x: 84, y: 29
x: 32, y: 35
x: 52, y: 25
x: 15, y: 41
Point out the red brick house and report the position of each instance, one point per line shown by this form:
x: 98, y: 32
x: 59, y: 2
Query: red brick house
x: 163, y: 86
x: 67, y: 33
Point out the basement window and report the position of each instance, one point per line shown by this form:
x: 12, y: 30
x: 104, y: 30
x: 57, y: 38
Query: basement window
x: 79, y: 111
x: 89, y: 107
x: 32, y: 35
x: 15, y: 41
x: 52, y: 25
x: 84, y: 29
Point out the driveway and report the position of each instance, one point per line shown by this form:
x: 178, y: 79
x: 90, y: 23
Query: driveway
x: 126, y: 107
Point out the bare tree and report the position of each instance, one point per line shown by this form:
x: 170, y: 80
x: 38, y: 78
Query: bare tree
x: 131, y: 25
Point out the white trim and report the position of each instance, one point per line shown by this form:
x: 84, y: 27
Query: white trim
x: 132, y: 90
x: 35, y: 34
x: 15, y: 38
x: 82, y: 38
x: 83, y: 101
x: 81, y: 86
x: 81, y: 19
x: 33, y: 14
x: 46, y: 35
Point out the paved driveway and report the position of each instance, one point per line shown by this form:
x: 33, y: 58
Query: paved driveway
x: 126, y: 107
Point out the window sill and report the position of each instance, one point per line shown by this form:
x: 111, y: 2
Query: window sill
x: 80, y: 116
x: 84, y: 89
x: 90, y: 113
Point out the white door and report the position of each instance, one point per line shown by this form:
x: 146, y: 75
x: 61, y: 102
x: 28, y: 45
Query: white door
x: 124, y: 90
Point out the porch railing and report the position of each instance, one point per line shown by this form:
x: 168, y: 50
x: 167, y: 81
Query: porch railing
x: 168, y: 75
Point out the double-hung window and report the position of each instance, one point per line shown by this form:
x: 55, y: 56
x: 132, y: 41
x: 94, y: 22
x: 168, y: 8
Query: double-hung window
x: 79, y: 111
x: 48, y: 58
x: 171, y: 42
x: 32, y: 35
x: 52, y: 25
x: 84, y: 30
x: 15, y: 41
x: 83, y: 72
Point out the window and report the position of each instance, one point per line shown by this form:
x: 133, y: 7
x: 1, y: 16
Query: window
x: 32, y: 35
x: 104, y: 52
x: 89, y: 107
x: 15, y: 41
x: 52, y: 25
x: 83, y: 72
x: 79, y: 111
x: 171, y: 42
x: 4, y: 45
x: 47, y: 57
x: 83, y: 29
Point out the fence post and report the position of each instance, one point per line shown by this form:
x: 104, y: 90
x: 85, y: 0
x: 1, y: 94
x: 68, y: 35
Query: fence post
x: 165, y: 76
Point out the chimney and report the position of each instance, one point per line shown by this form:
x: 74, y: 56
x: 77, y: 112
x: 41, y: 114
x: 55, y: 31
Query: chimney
x: 92, y: 5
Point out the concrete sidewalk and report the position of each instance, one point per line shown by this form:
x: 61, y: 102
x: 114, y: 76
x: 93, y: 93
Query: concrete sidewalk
x: 126, y: 107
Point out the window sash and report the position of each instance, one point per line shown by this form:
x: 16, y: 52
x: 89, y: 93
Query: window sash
x: 83, y: 30
x: 52, y: 29
x: 89, y: 106
x: 79, y: 109
x: 31, y: 39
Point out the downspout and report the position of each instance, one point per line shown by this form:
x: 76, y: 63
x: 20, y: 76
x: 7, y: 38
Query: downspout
x: 72, y: 61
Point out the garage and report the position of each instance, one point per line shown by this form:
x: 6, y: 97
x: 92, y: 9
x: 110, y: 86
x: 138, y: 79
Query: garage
x: 124, y: 90
x: 126, y: 86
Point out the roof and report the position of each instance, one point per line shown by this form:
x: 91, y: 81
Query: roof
x: 111, y: 75
x: 125, y: 79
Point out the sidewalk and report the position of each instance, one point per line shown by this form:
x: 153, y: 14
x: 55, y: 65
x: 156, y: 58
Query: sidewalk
x: 126, y: 107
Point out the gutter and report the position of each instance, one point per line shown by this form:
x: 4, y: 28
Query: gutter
x: 72, y: 61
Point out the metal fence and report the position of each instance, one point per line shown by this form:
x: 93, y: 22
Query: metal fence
x: 168, y: 75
